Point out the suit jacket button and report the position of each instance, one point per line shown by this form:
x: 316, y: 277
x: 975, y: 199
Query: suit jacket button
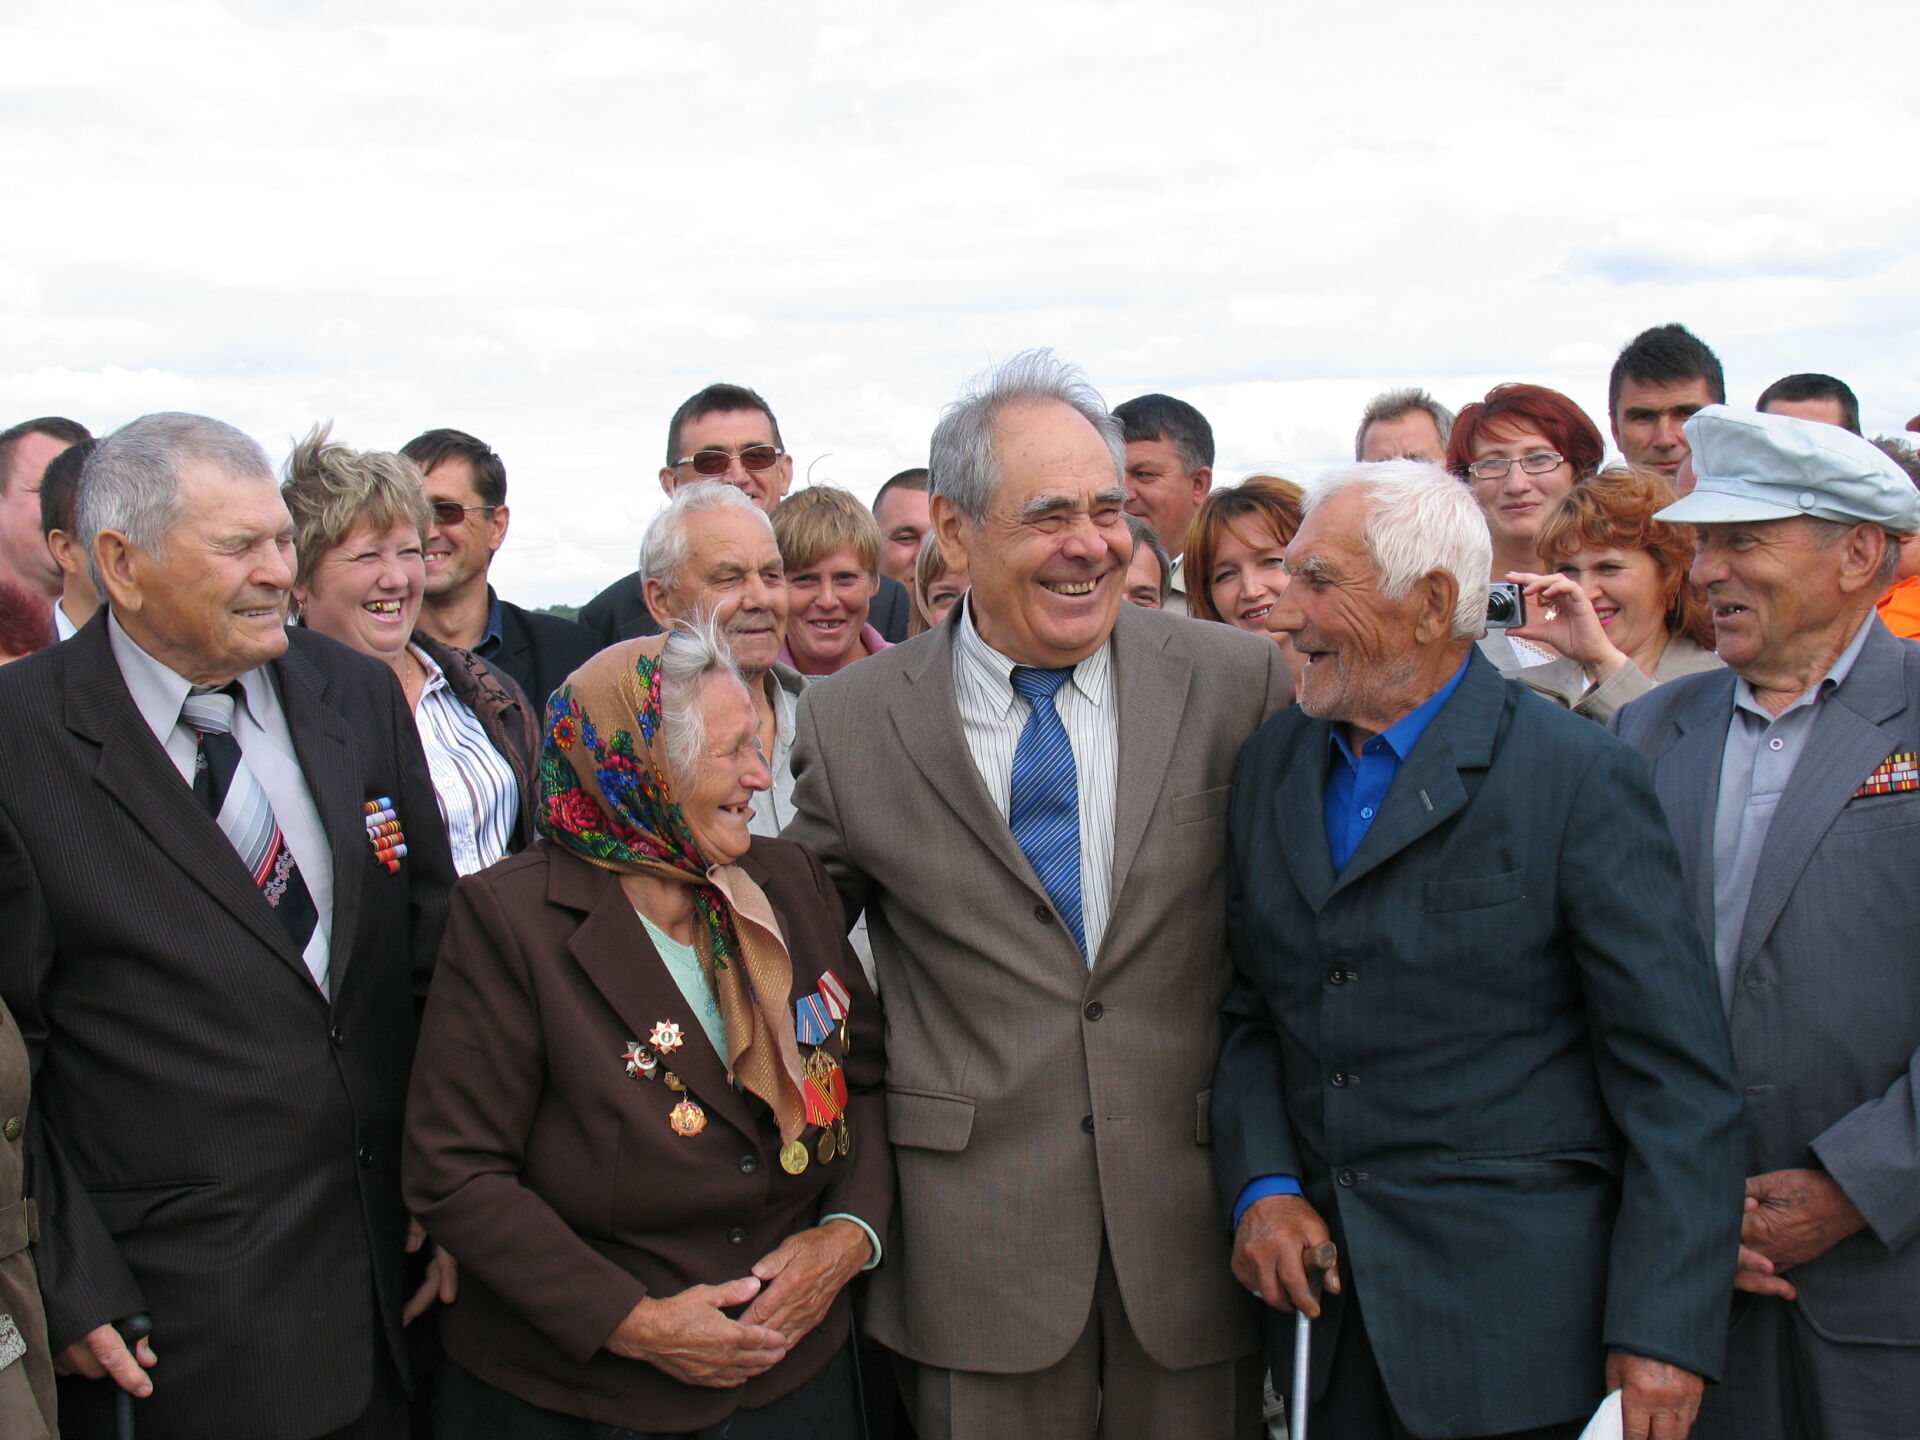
x: 1086, y: 1123
x: 736, y: 1236
x: 366, y: 1155
x: 748, y: 1164
x: 1348, y: 1177
x: 1339, y: 1078
x: 1095, y: 1010
x: 15, y: 1124
x: 1336, y: 976
x: 337, y: 1036
x: 1043, y: 914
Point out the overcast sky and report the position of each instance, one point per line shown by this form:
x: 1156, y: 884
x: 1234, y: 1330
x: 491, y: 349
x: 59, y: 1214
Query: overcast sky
x: 549, y: 224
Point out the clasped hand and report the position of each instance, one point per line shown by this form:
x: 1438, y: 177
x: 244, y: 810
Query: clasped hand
x: 1792, y: 1216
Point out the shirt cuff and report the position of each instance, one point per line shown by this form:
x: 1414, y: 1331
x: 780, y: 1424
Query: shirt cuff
x: 1260, y: 1189
x: 875, y: 1239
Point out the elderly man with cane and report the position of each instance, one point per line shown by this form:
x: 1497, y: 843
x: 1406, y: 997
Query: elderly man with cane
x: 1473, y: 1040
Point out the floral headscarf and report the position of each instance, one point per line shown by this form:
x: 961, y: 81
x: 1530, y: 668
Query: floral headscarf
x: 607, y: 795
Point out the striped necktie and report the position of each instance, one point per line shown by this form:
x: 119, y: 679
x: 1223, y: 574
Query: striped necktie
x: 232, y: 795
x: 1044, y: 813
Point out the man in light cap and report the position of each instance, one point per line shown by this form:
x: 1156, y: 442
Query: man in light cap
x: 1791, y: 782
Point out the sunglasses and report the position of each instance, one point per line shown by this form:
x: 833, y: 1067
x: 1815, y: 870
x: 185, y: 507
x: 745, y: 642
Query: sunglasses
x: 718, y: 462
x: 452, y: 512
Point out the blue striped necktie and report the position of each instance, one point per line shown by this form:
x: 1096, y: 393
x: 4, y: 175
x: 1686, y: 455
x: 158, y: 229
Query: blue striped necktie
x: 234, y: 798
x: 1044, y: 813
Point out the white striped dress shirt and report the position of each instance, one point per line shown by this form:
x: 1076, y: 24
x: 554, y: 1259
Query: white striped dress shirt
x: 479, y: 797
x: 992, y: 715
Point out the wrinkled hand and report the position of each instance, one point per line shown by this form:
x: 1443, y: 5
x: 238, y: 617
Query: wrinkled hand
x: 1269, y: 1250
x: 804, y: 1275
x: 1575, y: 631
x: 441, y: 1282
x: 102, y: 1352
x: 1658, y: 1401
x: 1792, y: 1216
x: 686, y: 1336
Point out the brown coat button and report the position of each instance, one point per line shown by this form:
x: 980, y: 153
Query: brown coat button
x: 15, y: 1124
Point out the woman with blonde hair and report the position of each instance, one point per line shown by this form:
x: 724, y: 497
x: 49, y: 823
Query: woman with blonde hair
x: 937, y: 586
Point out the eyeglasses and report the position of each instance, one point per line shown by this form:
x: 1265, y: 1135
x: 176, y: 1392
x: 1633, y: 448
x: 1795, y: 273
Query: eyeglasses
x: 452, y: 512
x: 718, y: 462
x: 1538, y: 463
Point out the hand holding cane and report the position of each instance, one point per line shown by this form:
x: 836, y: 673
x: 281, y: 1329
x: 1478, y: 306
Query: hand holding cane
x: 1318, y: 1259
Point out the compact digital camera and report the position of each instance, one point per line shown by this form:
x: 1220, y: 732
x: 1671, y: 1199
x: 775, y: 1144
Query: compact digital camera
x: 1506, y: 605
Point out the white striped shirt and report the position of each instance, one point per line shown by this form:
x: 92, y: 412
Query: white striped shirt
x: 992, y: 715
x: 479, y: 797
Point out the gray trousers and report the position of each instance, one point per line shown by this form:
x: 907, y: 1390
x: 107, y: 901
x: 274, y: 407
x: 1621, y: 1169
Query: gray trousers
x: 1784, y: 1382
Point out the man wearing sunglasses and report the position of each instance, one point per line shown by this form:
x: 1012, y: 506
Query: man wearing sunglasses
x: 467, y: 487
x: 725, y: 433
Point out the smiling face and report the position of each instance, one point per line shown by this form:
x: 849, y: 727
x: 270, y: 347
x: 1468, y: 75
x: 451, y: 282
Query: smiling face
x: 1778, y: 598
x: 1049, y: 560
x: 1249, y: 573
x: 826, y: 605
x: 1162, y: 492
x: 365, y: 591
x: 718, y: 805
x: 1647, y: 421
x: 458, y: 552
x: 731, y: 431
x: 1516, y: 504
x: 211, y: 603
x: 1629, y: 594
x: 733, y: 571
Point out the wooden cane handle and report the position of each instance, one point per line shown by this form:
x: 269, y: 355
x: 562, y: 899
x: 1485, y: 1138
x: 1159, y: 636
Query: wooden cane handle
x: 1320, y: 1257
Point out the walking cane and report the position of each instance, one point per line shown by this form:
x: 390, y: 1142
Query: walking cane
x: 1319, y: 1259
x: 133, y: 1330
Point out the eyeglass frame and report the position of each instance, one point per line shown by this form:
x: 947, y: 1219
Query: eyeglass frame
x: 441, y: 507
x: 1507, y: 462
x: 732, y: 455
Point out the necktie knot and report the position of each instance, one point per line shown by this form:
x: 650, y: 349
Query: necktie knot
x: 210, y: 712
x: 1037, y: 685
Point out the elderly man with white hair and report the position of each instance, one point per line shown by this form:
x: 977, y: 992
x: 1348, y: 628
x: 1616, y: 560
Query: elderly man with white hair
x: 1474, y: 1038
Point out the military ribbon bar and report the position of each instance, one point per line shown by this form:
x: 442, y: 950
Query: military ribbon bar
x: 836, y: 996
x: 811, y: 1023
x: 1898, y: 772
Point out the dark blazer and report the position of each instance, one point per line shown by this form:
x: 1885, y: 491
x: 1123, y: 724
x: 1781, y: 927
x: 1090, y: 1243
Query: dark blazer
x: 505, y: 713
x: 553, y: 1176
x: 26, y: 1382
x: 620, y: 612
x: 540, y: 651
x: 1826, y: 1004
x: 1491, y: 1050
x: 214, y: 1141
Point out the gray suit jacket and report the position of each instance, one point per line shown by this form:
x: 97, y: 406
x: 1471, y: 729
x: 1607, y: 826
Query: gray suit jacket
x: 1035, y: 1104
x: 1826, y: 1009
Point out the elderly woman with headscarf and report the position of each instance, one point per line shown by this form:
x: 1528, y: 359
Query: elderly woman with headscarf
x: 645, y: 1114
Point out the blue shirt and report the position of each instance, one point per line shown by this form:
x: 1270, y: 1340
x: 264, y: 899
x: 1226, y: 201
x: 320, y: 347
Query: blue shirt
x: 1355, y: 788
x: 489, y: 645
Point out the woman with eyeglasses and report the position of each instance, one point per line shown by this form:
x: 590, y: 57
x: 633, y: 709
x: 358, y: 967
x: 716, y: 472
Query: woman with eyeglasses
x: 360, y: 522
x: 1521, y: 450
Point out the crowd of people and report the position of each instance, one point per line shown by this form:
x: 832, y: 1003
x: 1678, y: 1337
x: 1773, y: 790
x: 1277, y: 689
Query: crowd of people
x: 980, y: 964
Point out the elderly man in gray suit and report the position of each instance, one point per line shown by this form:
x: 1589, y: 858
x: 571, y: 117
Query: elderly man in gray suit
x: 1791, y: 782
x: 1029, y: 803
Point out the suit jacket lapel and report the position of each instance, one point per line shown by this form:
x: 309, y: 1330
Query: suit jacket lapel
x: 328, y: 759
x: 1841, y: 751
x: 1686, y: 776
x: 136, y: 773
x: 1297, y: 817
x: 927, y: 718
x: 618, y: 956
x: 1151, y: 682
x: 1428, y: 788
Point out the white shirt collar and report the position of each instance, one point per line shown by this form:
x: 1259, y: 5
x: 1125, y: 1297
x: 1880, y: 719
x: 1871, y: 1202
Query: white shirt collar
x: 159, y: 691
x: 1092, y: 677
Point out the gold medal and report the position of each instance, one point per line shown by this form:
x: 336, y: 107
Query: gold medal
x: 828, y: 1148
x: 687, y: 1119
x: 672, y: 1081
x: 841, y: 1136
x: 844, y: 1047
x: 793, y: 1157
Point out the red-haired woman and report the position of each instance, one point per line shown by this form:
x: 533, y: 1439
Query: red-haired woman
x: 1617, y: 604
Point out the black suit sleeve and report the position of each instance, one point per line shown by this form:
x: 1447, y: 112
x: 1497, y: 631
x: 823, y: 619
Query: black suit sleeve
x: 1665, y: 1067
x: 83, y: 1280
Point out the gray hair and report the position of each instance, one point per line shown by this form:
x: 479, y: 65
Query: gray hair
x: 1829, y: 533
x: 961, y: 458
x: 694, y: 650
x: 131, y: 483
x: 1392, y: 404
x: 665, y: 549
x: 1419, y: 519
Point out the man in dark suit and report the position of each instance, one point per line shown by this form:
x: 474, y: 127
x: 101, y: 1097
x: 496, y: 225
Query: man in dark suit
x: 215, y: 944
x: 1791, y: 781
x: 467, y: 487
x: 1472, y: 1024
x: 725, y: 433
